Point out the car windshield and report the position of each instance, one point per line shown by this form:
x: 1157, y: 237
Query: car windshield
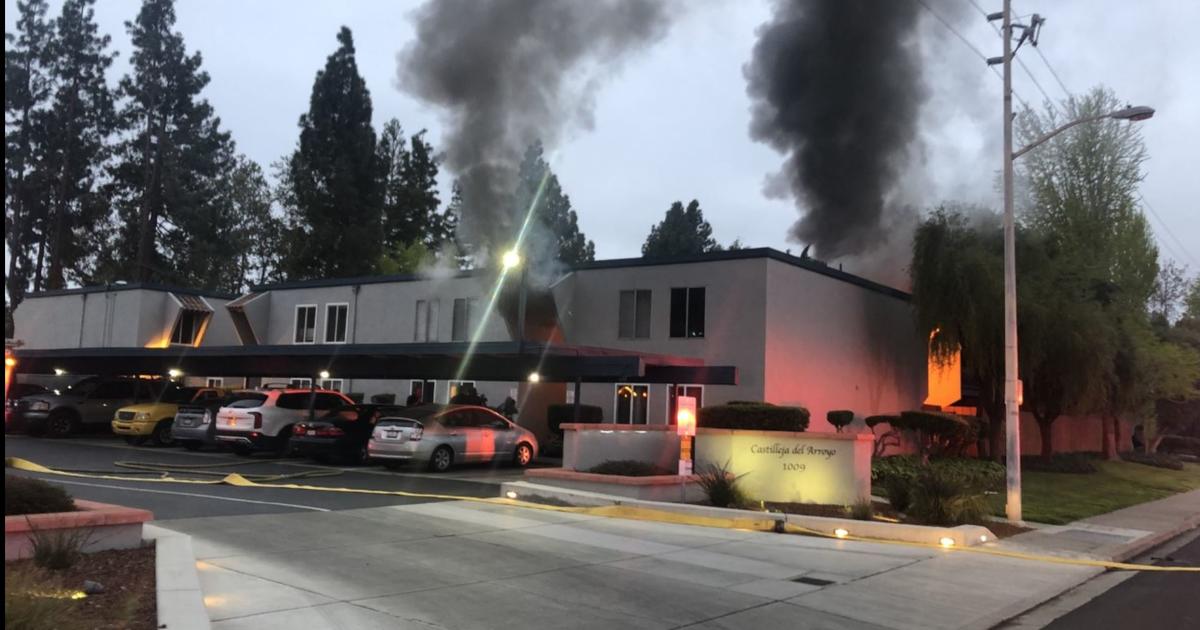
x: 179, y: 394
x: 244, y: 400
x: 79, y: 388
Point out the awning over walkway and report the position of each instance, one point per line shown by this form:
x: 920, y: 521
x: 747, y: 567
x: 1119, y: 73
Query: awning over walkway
x: 490, y: 361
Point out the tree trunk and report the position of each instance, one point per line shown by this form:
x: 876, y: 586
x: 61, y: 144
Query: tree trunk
x: 1109, y: 443
x: 1045, y: 429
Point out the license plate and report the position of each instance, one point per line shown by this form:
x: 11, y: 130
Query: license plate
x: 391, y: 435
x: 312, y: 432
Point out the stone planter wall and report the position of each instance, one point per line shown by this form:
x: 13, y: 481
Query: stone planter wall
x: 587, y: 445
x: 107, y: 526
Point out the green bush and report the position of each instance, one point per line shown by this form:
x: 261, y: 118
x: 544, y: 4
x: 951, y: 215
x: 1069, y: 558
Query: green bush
x: 938, y: 434
x: 628, y: 468
x: 1180, y: 445
x: 840, y: 418
x: 940, y: 498
x: 979, y: 474
x: 721, y: 486
x: 1158, y: 460
x: 26, y: 495
x: 560, y: 414
x: 1068, y: 463
x: 748, y: 415
x: 862, y: 511
x: 898, y: 491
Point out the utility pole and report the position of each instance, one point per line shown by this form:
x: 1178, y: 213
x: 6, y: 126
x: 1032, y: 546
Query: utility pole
x: 1012, y: 410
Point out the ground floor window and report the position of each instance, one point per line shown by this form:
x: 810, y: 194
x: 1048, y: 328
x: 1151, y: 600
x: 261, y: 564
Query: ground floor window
x: 632, y: 403
x: 214, y: 381
x: 300, y: 382
x: 420, y: 392
x: 464, y: 393
x: 694, y: 391
x: 336, y: 384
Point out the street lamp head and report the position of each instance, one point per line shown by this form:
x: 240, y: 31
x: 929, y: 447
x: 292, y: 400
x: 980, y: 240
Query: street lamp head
x: 1133, y: 114
x: 511, y: 259
x: 324, y: 374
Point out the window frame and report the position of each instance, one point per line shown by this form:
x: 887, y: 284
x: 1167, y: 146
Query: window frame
x: 469, y: 306
x: 673, y: 392
x: 417, y: 382
x: 327, y: 383
x: 345, y: 322
x: 199, y: 322
x: 296, y: 324
x: 617, y: 401
x: 636, y: 294
x: 300, y: 382
x: 687, y: 313
x: 214, y: 381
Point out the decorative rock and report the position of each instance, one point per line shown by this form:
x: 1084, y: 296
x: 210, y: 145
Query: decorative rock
x: 92, y: 588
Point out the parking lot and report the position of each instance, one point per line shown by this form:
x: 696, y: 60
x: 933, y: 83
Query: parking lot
x: 100, y: 456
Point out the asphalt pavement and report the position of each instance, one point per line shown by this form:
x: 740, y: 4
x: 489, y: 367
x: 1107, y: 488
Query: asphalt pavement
x: 100, y: 456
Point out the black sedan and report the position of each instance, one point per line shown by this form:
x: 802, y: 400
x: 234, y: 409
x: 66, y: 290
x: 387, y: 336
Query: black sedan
x: 340, y: 435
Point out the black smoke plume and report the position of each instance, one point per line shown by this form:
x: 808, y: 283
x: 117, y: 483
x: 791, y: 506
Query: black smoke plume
x: 511, y: 72
x: 837, y: 88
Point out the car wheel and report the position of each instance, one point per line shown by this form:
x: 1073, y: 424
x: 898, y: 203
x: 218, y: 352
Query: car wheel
x: 284, y: 446
x: 358, y: 456
x: 193, y: 445
x: 441, y: 459
x: 61, y: 424
x: 135, y: 440
x: 162, y: 433
x: 523, y: 456
x: 243, y: 450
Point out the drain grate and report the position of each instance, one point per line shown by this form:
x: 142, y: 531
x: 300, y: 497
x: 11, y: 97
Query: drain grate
x: 812, y: 580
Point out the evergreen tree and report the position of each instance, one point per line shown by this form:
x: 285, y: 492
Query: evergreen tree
x: 26, y: 93
x: 538, y: 191
x: 78, y: 128
x: 410, y: 197
x: 682, y: 232
x: 172, y: 160
x: 256, y: 230
x: 336, y: 199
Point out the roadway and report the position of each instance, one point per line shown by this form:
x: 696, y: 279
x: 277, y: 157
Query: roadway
x: 99, y: 456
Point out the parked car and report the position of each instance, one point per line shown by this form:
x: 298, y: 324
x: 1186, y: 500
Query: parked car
x: 88, y: 403
x: 253, y: 424
x: 443, y: 435
x: 17, y: 391
x: 341, y: 433
x: 195, y: 423
x: 152, y: 420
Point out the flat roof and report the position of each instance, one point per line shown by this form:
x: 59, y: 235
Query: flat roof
x: 488, y: 361
x: 131, y: 286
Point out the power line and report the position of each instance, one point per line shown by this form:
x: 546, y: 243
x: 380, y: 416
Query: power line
x: 1163, y: 225
x: 1052, y: 72
x: 1021, y: 63
x: 962, y: 38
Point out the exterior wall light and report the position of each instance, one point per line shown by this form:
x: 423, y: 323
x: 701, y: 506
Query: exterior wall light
x: 324, y: 374
x: 174, y: 372
x: 510, y: 494
x: 534, y: 377
x: 841, y: 533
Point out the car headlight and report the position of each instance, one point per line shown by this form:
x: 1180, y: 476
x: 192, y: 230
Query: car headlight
x: 39, y: 405
x: 142, y: 416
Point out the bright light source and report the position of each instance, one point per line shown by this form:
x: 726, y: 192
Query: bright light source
x: 511, y: 259
x: 841, y: 533
x: 9, y: 361
x: 324, y: 374
x: 946, y: 541
x: 510, y: 494
x: 59, y: 371
x: 534, y: 377
x: 983, y: 538
x: 174, y: 372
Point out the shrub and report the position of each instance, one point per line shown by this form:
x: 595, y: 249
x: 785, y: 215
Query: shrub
x: 1158, y: 460
x: 1180, y: 444
x: 721, y: 486
x: 748, y: 415
x: 628, y: 468
x: 26, y: 495
x: 939, y: 498
x: 898, y: 491
x: 840, y: 418
x: 559, y: 414
x: 978, y: 474
x: 1068, y: 463
x: 938, y: 433
x: 883, y: 440
x: 58, y: 549
x: 862, y: 510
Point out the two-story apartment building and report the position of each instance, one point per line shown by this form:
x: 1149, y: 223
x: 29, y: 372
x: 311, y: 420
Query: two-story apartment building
x: 797, y: 331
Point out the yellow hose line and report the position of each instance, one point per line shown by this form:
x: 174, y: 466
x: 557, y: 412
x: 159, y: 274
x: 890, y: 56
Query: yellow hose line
x: 613, y: 511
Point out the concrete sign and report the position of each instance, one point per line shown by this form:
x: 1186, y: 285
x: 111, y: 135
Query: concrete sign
x: 829, y: 468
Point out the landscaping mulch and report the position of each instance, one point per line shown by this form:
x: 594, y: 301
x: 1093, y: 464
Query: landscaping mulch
x: 129, y: 599
x: 882, y: 509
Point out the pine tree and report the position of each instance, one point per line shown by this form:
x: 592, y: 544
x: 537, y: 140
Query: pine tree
x: 78, y: 127
x: 538, y: 191
x: 256, y: 230
x: 335, y: 210
x: 26, y: 93
x: 680, y: 233
x: 172, y: 160
x: 410, y: 196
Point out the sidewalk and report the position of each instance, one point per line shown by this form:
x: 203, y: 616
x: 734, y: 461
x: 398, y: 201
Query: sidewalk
x: 1118, y: 535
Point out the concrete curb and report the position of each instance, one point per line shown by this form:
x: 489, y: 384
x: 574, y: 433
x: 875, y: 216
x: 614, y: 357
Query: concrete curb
x: 963, y: 535
x: 1146, y: 543
x: 177, y: 585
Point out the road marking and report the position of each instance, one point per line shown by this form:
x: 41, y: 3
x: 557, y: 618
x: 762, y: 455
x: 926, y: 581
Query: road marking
x: 193, y: 494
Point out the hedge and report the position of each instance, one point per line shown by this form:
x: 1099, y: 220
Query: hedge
x: 26, y: 495
x: 557, y: 415
x: 758, y: 416
x: 840, y: 418
x: 978, y: 474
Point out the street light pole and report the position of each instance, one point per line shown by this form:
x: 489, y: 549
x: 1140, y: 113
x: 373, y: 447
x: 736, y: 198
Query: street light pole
x: 1012, y: 413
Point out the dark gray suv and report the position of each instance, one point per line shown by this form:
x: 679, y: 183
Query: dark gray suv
x: 88, y: 403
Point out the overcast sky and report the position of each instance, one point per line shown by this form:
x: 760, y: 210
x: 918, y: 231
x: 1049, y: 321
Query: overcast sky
x: 672, y: 122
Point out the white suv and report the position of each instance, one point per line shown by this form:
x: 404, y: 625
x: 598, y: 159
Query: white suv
x: 263, y: 420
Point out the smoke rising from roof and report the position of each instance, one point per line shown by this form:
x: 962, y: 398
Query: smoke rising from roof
x: 837, y: 88
x: 511, y: 72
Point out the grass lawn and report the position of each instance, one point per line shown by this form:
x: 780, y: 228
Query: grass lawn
x: 1058, y: 498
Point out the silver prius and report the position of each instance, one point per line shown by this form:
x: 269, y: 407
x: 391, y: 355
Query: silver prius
x: 443, y: 435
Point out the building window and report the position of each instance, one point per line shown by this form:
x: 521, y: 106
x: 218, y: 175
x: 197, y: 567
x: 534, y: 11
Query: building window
x: 634, y: 315
x: 306, y: 324
x: 464, y: 317
x: 421, y: 392
x: 687, y: 312
x: 335, y: 384
x: 300, y: 382
x: 464, y: 391
x: 214, y: 381
x: 632, y: 403
x: 425, y: 327
x: 335, y: 322
x: 694, y: 391
x: 187, y: 327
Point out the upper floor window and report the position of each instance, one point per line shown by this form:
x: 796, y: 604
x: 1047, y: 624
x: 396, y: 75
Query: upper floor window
x: 425, y: 326
x: 187, y: 327
x: 633, y: 321
x: 687, y: 312
x: 464, y: 315
x: 335, y: 322
x: 306, y: 324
